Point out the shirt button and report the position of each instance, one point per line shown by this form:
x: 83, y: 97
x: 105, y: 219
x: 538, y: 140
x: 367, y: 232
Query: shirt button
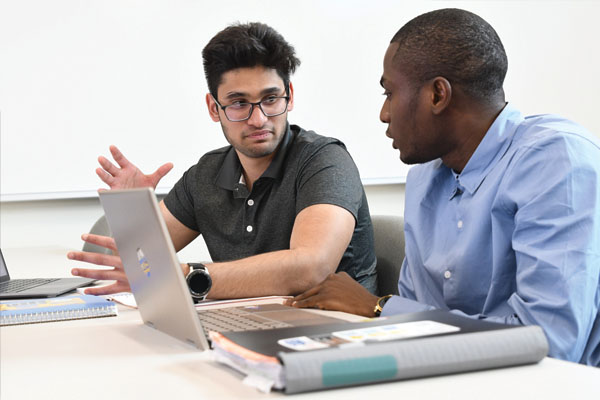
x: 249, y: 228
x: 447, y: 274
x: 250, y: 202
x: 460, y: 224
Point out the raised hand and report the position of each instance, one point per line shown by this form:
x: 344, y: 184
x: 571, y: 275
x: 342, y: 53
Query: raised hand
x: 127, y: 175
x: 114, y: 273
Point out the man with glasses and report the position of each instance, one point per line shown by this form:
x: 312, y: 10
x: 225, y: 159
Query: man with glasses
x: 280, y: 209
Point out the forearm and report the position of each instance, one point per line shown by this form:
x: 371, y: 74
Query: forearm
x: 284, y: 272
x: 320, y: 236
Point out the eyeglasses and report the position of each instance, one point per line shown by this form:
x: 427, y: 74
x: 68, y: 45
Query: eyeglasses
x: 239, y: 111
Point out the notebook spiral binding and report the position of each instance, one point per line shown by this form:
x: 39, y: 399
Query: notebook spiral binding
x: 32, y: 318
x: 19, y: 312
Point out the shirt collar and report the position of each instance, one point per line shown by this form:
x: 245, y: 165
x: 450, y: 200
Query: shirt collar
x: 493, y: 146
x: 230, y: 175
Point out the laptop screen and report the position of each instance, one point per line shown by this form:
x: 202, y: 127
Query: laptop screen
x: 3, y: 270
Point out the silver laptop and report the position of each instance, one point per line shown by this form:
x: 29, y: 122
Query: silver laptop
x: 36, y: 287
x: 157, y: 282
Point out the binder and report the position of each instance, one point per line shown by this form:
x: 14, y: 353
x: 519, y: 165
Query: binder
x: 30, y: 311
x: 421, y: 344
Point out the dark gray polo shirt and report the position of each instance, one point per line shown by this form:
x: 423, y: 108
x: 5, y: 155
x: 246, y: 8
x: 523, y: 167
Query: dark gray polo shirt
x: 307, y: 169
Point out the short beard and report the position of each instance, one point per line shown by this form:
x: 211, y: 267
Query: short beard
x: 257, y: 152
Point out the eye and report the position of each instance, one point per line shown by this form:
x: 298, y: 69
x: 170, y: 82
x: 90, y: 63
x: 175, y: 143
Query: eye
x: 238, y: 104
x: 387, y: 94
x: 270, y: 100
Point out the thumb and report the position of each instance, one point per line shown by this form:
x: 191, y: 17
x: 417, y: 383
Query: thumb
x: 161, y: 172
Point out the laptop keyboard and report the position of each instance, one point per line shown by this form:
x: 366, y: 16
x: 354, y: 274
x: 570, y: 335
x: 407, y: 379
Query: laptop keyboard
x: 18, y: 285
x: 236, y: 319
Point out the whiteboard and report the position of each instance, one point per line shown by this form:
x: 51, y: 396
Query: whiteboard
x: 78, y: 76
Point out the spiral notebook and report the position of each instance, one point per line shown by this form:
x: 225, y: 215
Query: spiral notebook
x: 30, y: 311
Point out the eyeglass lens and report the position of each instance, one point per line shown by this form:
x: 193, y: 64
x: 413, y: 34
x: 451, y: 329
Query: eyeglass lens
x: 271, y: 107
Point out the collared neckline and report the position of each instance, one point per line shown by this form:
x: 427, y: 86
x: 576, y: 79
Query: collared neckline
x: 492, y: 148
x: 230, y: 172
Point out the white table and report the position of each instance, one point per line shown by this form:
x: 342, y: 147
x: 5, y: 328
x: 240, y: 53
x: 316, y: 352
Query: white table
x: 120, y: 358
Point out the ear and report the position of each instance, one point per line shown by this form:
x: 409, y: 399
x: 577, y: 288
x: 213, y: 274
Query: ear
x: 291, y: 102
x: 213, y: 109
x: 441, y: 94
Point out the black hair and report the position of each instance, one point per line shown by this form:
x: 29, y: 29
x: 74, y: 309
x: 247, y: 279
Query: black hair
x: 245, y: 46
x: 457, y: 45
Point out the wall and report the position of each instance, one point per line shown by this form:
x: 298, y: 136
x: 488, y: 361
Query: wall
x: 77, y: 76
x: 552, y: 66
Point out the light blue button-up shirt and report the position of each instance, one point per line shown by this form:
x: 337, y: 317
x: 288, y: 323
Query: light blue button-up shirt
x: 515, y: 238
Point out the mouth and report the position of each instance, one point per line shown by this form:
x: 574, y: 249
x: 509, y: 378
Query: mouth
x: 259, y: 135
x: 387, y: 133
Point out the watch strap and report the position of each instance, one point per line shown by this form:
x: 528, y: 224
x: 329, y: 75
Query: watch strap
x: 380, y: 303
x: 194, y: 266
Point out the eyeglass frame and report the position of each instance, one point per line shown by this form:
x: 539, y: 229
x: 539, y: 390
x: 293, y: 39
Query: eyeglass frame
x: 258, y: 103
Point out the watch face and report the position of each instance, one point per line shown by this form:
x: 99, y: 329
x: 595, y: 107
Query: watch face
x: 199, y: 283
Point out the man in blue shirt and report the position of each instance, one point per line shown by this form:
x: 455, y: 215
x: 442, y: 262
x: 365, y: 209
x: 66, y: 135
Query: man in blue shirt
x: 502, y: 215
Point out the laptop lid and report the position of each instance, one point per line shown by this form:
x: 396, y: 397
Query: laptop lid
x: 151, y: 264
x: 157, y: 282
x: 4, y: 276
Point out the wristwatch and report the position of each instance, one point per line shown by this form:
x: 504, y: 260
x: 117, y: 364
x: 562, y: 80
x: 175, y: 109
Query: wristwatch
x: 199, y: 281
x: 380, y: 303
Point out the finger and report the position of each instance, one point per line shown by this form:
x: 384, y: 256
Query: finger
x: 310, y: 292
x: 108, y: 166
x: 95, y: 258
x: 101, y: 274
x: 118, y: 156
x: 163, y: 170
x: 309, y: 302
x: 288, y: 302
x: 116, y: 287
x: 105, y: 176
x: 99, y: 240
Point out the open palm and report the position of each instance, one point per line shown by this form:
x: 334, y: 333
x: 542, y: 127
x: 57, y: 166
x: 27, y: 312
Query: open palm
x: 126, y: 175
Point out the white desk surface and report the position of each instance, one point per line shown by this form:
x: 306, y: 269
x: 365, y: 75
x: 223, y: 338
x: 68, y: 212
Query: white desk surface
x: 120, y: 358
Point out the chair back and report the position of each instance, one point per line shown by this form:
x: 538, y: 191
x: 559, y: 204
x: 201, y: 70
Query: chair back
x: 389, y: 249
x: 101, y: 228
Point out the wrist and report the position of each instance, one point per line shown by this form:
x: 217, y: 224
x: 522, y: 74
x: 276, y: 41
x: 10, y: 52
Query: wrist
x: 369, y: 307
x: 185, y: 268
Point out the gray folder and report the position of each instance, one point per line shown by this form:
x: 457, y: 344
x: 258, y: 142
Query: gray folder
x: 476, y: 345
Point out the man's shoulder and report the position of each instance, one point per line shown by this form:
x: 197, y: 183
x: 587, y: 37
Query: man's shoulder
x: 306, y: 145
x: 208, y: 165
x: 551, y: 130
x: 304, y: 138
x: 214, y: 156
x: 220, y: 152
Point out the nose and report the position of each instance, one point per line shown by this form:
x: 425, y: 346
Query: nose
x: 257, y: 118
x: 384, y: 114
